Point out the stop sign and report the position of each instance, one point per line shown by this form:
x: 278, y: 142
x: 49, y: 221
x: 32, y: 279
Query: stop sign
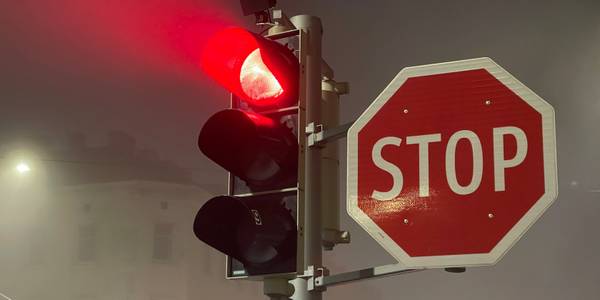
x: 451, y: 164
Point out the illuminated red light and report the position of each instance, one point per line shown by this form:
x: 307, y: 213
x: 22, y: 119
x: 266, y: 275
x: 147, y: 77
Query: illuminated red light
x: 257, y: 80
x: 256, y: 69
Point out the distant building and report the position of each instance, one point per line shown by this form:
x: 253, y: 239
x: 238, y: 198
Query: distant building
x: 119, y: 159
x: 71, y: 160
x: 105, y: 222
x: 110, y: 222
x: 129, y: 240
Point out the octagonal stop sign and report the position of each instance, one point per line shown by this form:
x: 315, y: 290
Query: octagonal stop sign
x: 451, y: 164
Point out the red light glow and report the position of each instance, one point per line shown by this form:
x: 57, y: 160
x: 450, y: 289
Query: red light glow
x: 254, y: 68
x: 103, y: 39
x: 257, y: 80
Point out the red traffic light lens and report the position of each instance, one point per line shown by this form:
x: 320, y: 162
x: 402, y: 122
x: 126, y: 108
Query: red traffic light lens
x: 256, y: 69
x: 257, y: 80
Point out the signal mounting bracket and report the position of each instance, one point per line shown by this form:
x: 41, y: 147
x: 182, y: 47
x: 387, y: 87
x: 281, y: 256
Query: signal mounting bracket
x: 313, y: 275
x: 325, y: 280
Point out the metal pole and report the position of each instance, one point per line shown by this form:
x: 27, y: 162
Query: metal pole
x: 330, y: 194
x: 277, y: 288
x: 330, y: 168
x: 312, y: 245
x: 300, y: 289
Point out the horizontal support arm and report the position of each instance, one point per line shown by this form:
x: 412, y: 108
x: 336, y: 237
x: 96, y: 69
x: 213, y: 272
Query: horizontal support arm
x: 369, y: 273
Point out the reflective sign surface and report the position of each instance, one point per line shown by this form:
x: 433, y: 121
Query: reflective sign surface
x: 451, y: 164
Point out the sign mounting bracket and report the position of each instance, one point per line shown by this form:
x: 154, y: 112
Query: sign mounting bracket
x: 368, y: 273
x: 318, y: 137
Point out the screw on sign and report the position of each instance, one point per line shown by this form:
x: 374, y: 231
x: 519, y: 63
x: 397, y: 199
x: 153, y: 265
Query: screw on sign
x: 451, y: 164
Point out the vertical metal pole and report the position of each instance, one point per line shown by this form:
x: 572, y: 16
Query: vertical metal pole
x: 300, y: 289
x: 312, y: 245
x: 277, y: 288
x: 330, y: 194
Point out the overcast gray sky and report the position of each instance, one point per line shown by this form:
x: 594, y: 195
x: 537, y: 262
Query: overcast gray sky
x: 98, y: 65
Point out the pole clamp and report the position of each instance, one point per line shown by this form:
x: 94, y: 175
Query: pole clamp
x: 318, y: 136
x: 314, y: 276
x: 314, y: 133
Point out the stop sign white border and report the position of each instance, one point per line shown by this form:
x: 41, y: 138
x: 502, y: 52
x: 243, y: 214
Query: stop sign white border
x: 550, y: 178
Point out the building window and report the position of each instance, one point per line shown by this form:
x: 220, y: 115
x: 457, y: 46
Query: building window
x: 86, y: 208
x: 163, y: 242
x: 37, y: 247
x: 164, y: 205
x: 86, y: 248
x: 85, y: 297
x: 37, y: 252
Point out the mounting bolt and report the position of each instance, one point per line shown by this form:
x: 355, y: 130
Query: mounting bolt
x: 277, y: 14
x: 488, y: 102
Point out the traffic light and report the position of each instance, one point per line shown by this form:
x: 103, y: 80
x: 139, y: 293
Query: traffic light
x: 257, y: 142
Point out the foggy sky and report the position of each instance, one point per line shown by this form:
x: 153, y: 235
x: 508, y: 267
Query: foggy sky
x: 75, y: 67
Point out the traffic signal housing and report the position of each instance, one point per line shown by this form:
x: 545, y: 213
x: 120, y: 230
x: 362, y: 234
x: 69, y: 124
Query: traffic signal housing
x: 257, y: 224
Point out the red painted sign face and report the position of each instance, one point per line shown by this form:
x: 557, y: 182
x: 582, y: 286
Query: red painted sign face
x: 451, y: 164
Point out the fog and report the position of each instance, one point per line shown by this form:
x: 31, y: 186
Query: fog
x: 101, y: 102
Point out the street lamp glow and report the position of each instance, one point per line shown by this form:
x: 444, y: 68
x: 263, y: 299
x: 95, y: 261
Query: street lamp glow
x: 22, y: 168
